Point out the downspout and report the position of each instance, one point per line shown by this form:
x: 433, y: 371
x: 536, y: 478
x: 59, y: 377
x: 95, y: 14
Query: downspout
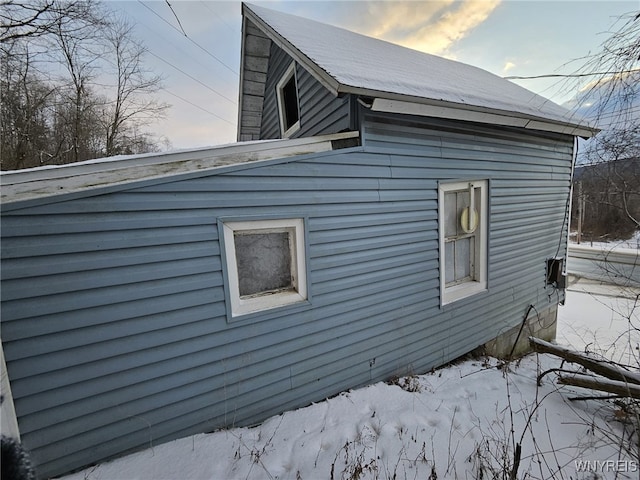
x: 574, y: 158
x: 357, y: 117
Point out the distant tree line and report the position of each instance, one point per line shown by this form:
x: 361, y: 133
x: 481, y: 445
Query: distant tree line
x: 606, y: 193
x: 73, y: 84
x: 606, y: 199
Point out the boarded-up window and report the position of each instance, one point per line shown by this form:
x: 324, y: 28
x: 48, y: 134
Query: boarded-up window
x: 264, y: 262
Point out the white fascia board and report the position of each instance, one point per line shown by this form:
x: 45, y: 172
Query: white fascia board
x: 456, y: 113
x: 18, y: 185
x: 321, y: 75
x: 569, y: 129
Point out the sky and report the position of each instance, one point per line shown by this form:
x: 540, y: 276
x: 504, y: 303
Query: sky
x: 195, y: 46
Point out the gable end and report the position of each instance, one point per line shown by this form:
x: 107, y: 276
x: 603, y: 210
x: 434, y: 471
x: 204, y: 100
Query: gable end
x: 256, y: 48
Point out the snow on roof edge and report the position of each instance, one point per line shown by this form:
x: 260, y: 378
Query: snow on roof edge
x: 40, y: 182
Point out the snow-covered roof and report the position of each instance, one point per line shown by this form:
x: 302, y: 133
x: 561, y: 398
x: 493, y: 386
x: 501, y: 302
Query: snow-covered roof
x: 120, y: 171
x: 404, y: 80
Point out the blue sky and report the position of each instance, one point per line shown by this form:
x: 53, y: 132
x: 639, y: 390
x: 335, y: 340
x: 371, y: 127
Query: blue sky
x: 505, y: 37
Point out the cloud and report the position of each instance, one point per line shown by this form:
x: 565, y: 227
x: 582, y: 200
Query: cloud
x: 431, y: 27
x: 397, y: 20
x: 508, y: 66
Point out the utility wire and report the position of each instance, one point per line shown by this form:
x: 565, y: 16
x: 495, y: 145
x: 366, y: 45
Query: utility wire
x: 570, y: 75
x: 205, y: 5
x: 199, y: 107
x: 177, y: 19
x: 192, y: 77
x: 188, y: 38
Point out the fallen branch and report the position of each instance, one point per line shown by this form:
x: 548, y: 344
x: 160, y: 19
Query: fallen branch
x: 596, y: 397
x: 601, y: 384
x: 600, y: 367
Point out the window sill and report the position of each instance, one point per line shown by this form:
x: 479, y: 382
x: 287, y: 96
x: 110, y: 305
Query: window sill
x: 244, y: 306
x: 291, y: 130
x: 464, y: 290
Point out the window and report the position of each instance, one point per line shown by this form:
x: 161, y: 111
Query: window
x: 288, y: 108
x: 265, y: 264
x: 462, y: 219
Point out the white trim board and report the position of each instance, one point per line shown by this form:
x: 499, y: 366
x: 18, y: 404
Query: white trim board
x: 478, y: 116
x: 21, y: 185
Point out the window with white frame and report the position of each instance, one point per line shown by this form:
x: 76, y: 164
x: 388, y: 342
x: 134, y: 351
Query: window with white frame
x: 462, y: 223
x: 265, y: 264
x: 288, y: 106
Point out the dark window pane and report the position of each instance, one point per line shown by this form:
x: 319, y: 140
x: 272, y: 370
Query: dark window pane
x: 264, y: 262
x: 290, y: 100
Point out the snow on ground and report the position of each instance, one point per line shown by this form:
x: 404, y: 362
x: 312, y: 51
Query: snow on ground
x: 459, y: 422
x: 632, y: 242
x: 597, y: 317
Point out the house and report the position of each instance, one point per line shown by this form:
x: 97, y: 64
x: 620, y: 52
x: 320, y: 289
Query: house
x: 385, y: 212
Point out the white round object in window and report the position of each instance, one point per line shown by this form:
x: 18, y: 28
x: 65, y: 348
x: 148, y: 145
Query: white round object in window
x: 469, y: 220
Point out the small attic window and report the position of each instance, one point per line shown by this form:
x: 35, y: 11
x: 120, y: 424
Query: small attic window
x: 288, y: 107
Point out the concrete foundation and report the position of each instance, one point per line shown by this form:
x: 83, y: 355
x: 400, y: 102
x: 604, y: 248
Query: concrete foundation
x: 541, y: 325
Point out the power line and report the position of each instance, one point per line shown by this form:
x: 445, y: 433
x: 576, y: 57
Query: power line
x: 177, y: 19
x: 192, y: 77
x: 630, y: 112
x: 198, y: 107
x: 188, y: 38
x: 570, y: 75
x: 205, y: 5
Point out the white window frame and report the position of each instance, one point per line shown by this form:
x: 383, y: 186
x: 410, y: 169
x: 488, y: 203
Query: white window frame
x: 255, y: 303
x: 478, y: 282
x: 288, y: 74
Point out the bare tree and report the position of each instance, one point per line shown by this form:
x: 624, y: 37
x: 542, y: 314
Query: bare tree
x: 134, y: 86
x: 55, y: 57
x: 80, y: 52
x: 24, y: 99
x: 20, y: 19
x: 611, y: 98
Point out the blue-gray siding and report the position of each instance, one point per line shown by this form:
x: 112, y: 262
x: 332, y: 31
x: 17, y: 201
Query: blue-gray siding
x: 320, y: 111
x: 113, y: 313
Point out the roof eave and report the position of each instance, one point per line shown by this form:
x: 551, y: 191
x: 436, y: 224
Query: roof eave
x: 328, y: 81
x: 456, y: 111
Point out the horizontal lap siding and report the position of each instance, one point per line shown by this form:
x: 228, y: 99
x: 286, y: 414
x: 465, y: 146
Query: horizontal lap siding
x: 530, y: 176
x: 114, y: 323
x: 320, y: 111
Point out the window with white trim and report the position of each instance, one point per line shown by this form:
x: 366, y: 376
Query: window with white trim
x: 265, y: 264
x: 288, y: 105
x: 462, y: 225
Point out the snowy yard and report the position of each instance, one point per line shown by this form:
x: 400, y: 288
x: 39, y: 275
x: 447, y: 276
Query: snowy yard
x: 459, y: 422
